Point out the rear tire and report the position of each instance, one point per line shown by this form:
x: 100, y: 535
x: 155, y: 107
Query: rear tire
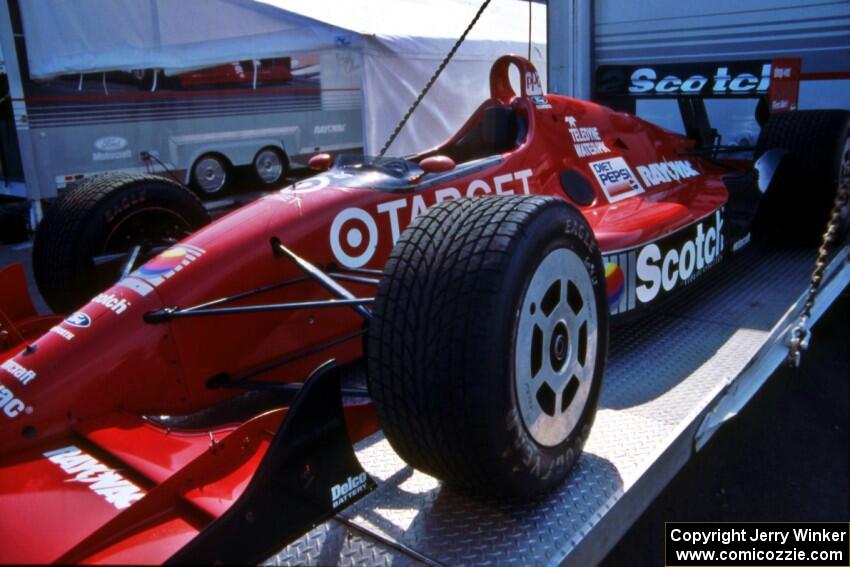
x: 107, y: 215
x: 466, y: 388
x: 800, y: 198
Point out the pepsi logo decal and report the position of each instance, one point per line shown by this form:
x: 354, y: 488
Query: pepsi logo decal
x: 616, y: 179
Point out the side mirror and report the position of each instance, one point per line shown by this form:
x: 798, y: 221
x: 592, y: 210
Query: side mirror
x: 437, y: 164
x: 320, y: 162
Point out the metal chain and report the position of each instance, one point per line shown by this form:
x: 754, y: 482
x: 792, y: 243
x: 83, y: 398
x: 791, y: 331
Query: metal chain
x: 529, y: 29
x: 800, y: 334
x: 432, y: 79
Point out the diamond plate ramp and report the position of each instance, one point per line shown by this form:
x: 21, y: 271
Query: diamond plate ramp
x: 665, y: 373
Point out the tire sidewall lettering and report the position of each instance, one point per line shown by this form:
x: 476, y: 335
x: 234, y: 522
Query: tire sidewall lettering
x: 126, y: 202
x: 552, y: 462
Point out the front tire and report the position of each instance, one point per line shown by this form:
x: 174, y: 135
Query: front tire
x: 489, y: 341
x: 81, y: 245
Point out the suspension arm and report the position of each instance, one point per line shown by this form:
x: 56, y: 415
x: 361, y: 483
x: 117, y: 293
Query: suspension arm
x: 169, y: 313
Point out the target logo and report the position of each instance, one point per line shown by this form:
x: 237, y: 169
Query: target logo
x: 309, y: 185
x: 354, y: 237
x: 354, y: 231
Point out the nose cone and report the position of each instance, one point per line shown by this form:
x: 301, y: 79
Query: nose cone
x: 87, y: 365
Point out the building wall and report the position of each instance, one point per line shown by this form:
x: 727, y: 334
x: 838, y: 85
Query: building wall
x: 670, y: 31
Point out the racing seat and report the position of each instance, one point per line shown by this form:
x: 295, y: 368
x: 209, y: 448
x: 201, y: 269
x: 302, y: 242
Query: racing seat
x: 499, y: 130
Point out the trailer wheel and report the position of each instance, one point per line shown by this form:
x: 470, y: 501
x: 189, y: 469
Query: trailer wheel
x: 84, y: 241
x: 488, y: 343
x: 799, y: 200
x: 211, y: 176
x: 270, y: 165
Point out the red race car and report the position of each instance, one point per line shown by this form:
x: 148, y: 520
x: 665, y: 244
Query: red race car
x: 239, y: 73
x: 203, y: 408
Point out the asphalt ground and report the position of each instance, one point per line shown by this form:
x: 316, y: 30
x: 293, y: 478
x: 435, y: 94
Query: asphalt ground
x: 785, y: 457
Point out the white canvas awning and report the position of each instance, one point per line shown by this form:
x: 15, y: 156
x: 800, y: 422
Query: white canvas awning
x: 88, y: 36
x: 401, y: 41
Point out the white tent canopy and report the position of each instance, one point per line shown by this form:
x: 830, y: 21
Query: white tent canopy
x: 401, y: 41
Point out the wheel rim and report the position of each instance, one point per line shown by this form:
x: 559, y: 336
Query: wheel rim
x: 555, y: 354
x: 269, y: 166
x: 149, y: 229
x: 210, y: 174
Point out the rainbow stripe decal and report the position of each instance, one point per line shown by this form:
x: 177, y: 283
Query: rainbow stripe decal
x: 615, y: 283
x: 168, y: 263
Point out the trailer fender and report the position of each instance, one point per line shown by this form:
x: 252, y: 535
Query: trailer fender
x: 237, y: 146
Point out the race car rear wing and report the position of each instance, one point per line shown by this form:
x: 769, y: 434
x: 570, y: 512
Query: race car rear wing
x: 774, y: 82
x: 619, y: 86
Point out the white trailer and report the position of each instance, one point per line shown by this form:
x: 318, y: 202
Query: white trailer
x: 195, y: 123
x: 113, y: 85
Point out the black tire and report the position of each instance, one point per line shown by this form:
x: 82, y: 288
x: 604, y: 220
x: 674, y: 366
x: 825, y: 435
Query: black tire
x: 212, y: 176
x: 264, y: 166
x: 800, y: 198
x: 442, y: 348
x: 108, y: 214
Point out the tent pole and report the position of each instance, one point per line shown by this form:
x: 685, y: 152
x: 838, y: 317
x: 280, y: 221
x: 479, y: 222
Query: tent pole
x: 569, y: 47
x: 35, y: 192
